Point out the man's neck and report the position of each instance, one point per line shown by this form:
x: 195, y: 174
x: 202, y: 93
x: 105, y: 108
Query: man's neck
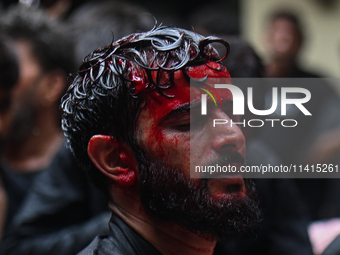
x: 38, y: 149
x: 167, y: 238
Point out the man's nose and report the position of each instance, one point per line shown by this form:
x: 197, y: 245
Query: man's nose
x: 227, y: 137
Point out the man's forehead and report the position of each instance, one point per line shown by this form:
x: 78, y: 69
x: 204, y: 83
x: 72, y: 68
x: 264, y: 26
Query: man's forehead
x: 181, y: 93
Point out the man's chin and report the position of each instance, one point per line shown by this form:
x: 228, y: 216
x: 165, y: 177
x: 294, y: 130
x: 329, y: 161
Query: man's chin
x: 168, y: 195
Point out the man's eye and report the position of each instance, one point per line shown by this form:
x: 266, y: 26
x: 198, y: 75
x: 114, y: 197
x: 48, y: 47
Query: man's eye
x: 183, y: 127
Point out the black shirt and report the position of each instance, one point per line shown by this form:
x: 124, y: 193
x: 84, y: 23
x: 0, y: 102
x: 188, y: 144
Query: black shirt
x: 16, y: 184
x: 122, y: 240
x: 61, y: 214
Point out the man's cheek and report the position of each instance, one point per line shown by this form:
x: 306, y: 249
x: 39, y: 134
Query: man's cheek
x: 173, y: 150
x: 152, y: 140
x: 176, y: 149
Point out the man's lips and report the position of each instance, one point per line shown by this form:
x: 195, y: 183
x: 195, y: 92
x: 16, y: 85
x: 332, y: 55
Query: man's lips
x: 233, y: 183
x: 232, y: 179
x: 227, y: 185
x: 233, y: 170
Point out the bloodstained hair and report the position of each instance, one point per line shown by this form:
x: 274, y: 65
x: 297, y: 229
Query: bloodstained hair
x: 109, y: 90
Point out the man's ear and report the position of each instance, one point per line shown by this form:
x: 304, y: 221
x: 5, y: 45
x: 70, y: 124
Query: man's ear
x: 112, y: 158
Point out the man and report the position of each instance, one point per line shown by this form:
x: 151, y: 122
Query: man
x: 45, y: 60
x: 310, y: 140
x: 49, y: 221
x: 129, y: 106
x: 33, y: 143
x: 31, y: 134
x: 285, y: 39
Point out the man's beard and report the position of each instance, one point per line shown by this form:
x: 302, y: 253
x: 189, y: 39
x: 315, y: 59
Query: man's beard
x: 168, y: 194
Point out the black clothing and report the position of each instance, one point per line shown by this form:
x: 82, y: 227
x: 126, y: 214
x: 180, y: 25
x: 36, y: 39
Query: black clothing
x: 16, y: 185
x: 122, y: 240
x: 62, y: 213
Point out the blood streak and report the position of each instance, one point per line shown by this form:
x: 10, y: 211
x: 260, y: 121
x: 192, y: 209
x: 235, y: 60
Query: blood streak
x: 138, y: 82
x: 127, y: 178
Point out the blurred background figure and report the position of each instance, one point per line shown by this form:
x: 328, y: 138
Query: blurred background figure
x: 284, y: 41
x: 62, y: 212
x: 314, y: 140
x: 9, y: 73
x: 32, y: 136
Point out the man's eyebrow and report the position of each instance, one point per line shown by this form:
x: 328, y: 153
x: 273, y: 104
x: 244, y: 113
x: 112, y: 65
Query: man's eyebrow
x: 180, y: 111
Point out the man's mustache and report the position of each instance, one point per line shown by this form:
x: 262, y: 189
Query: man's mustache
x: 230, y: 158
x: 225, y: 161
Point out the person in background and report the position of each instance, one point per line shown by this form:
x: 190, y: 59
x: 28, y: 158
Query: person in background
x: 284, y: 40
x: 62, y: 212
x: 315, y: 140
x: 31, y: 135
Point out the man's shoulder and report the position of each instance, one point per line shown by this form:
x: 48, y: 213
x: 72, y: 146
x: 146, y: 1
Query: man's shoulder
x: 92, y: 248
x: 122, y: 240
x: 100, y: 246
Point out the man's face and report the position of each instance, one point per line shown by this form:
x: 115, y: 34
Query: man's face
x: 283, y: 39
x: 164, y: 127
x: 163, y: 133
